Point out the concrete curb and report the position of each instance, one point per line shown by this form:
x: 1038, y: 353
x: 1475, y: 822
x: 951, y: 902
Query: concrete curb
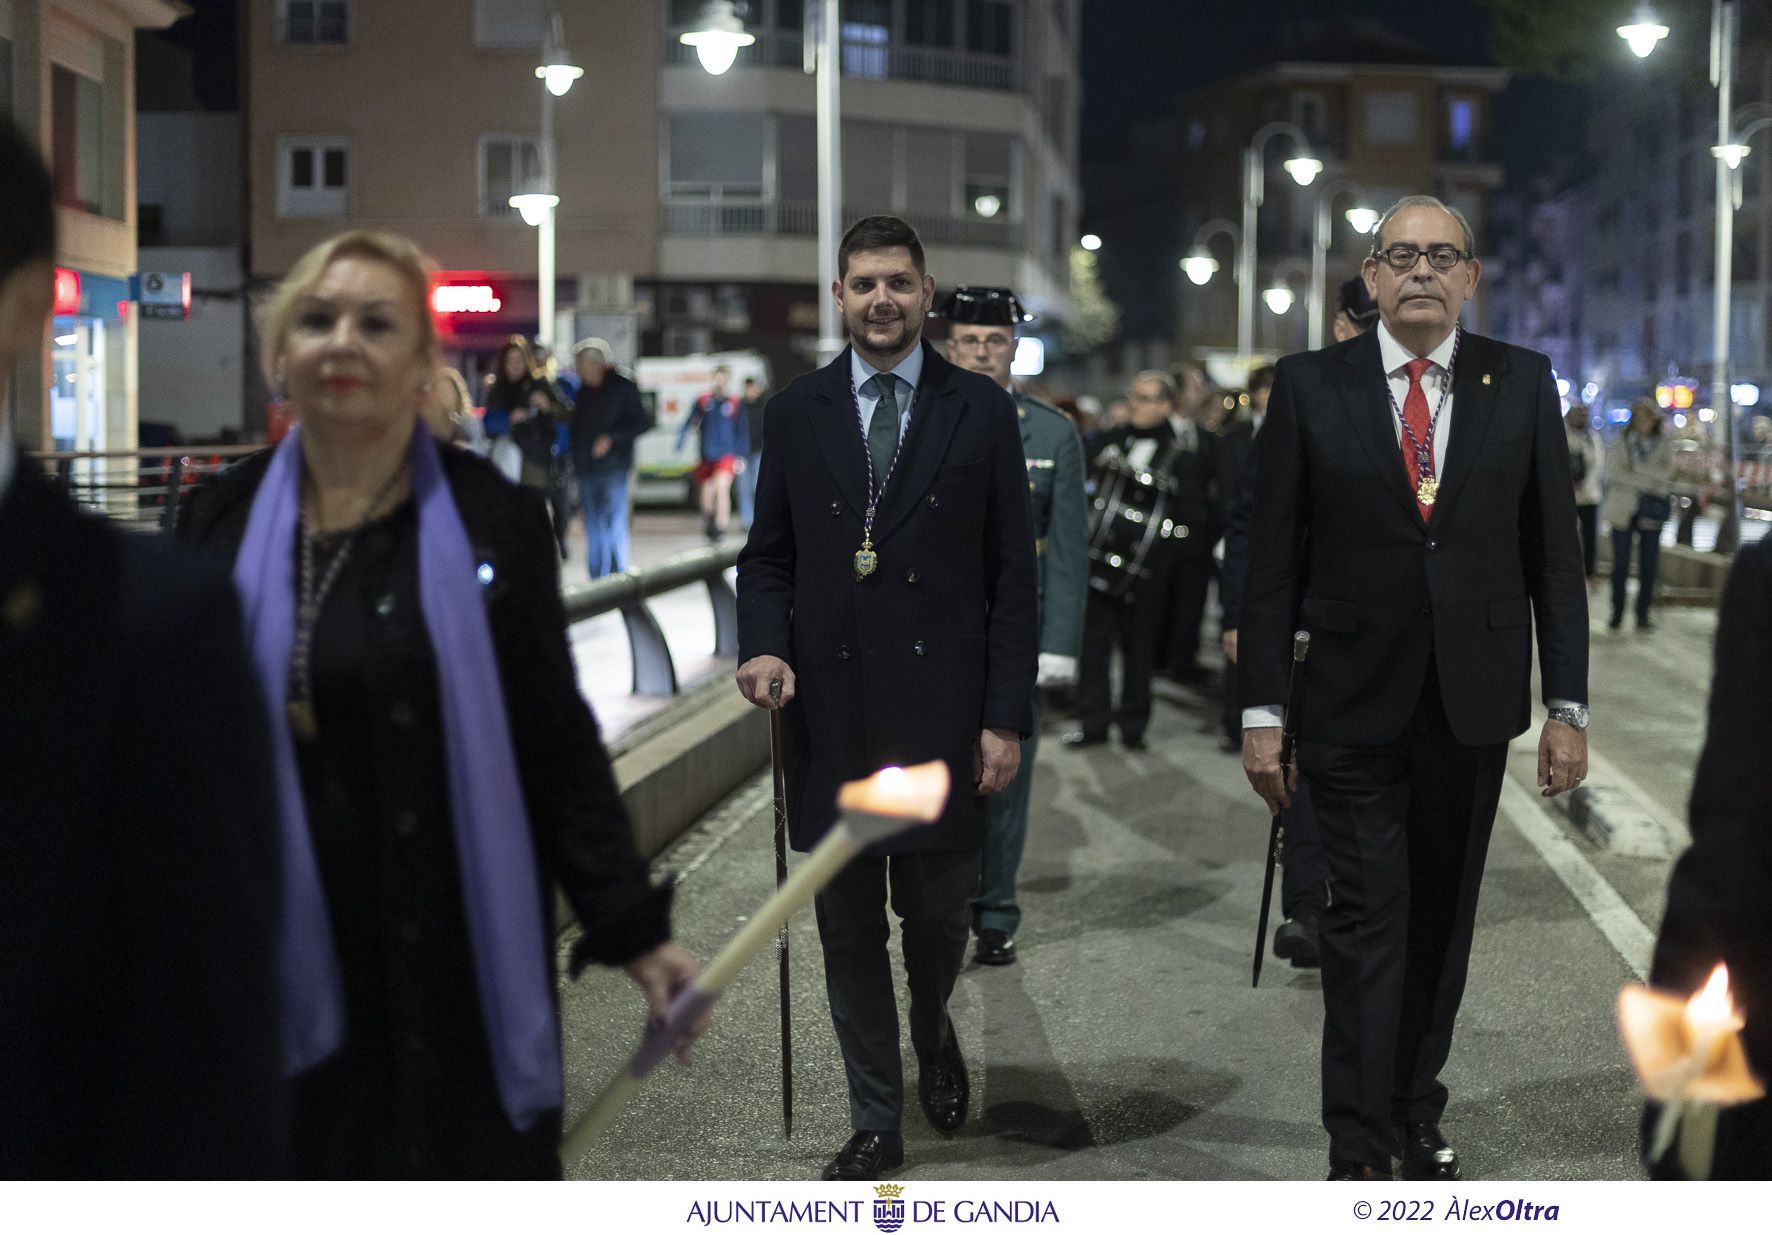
x: 681, y: 767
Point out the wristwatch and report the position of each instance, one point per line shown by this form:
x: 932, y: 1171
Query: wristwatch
x: 1575, y: 716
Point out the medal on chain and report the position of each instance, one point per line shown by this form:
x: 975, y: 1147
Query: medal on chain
x: 1427, y: 485
x: 866, y: 560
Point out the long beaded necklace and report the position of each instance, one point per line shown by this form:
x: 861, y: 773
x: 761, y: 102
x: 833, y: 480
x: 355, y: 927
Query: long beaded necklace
x: 1427, y: 488
x: 866, y: 560
x: 313, y: 590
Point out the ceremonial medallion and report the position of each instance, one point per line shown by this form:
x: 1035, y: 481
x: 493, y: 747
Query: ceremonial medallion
x: 1427, y: 490
x: 866, y: 560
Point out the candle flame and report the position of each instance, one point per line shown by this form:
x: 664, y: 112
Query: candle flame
x: 1712, y: 1006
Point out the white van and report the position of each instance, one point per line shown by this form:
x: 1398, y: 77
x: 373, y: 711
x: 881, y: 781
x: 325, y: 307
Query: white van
x: 670, y: 385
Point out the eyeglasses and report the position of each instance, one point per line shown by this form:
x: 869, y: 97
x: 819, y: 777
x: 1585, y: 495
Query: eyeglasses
x: 1402, y: 257
x: 994, y: 342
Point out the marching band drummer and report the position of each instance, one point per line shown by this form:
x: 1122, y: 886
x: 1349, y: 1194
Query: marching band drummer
x: 981, y: 337
x: 1125, y: 602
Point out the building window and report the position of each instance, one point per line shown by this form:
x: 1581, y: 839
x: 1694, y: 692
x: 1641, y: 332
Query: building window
x: 715, y: 158
x: 313, y: 21
x: 1391, y: 117
x: 78, y: 139
x: 511, y: 23
x: 867, y: 29
x: 989, y: 28
x: 929, y: 23
x: 508, y: 164
x: 313, y: 177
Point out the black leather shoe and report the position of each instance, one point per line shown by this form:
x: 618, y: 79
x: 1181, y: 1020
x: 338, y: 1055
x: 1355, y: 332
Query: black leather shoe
x: 1084, y: 738
x: 994, y: 948
x: 1296, y: 941
x: 945, y: 1089
x: 1339, y: 1170
x: 1132, y: 741
x: 866, y: 1155
x: 1427, y: 1156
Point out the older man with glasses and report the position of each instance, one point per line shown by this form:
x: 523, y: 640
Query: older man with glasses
x: 1427, y: 469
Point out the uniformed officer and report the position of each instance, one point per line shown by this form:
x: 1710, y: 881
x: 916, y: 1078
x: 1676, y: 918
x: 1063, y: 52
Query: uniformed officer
x: 981, y: 337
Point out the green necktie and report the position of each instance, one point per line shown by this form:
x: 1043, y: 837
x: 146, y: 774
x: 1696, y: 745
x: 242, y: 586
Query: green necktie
x: 883, y: 429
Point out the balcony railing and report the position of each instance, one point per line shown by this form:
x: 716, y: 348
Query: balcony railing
x: 863, y: 59
x: 700, y: 218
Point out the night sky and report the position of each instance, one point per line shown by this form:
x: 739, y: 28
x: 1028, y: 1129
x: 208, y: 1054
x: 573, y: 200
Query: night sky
x: 1138, y: 55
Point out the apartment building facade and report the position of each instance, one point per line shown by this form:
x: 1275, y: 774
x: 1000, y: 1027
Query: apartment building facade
x: 687, y: 201
x: 67, y: 71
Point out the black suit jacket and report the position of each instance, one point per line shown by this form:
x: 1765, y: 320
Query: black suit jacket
x: 942, y: 640
x: 1380, y: 590
x: 139, y: 882
x: 1716, y: 902
x: 1236, y: 480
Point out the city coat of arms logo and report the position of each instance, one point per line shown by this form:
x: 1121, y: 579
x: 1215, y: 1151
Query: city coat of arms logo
x: 888, y: 1207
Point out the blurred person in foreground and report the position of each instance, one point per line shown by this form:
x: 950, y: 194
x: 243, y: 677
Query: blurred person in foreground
x: 1413, y: 512
x: 138, y: 961
x: 1716, y: 901
x: 608, y: 415
x: 437, y: 770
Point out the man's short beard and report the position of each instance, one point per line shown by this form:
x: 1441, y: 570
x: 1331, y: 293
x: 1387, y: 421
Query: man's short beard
x: 912, y: 330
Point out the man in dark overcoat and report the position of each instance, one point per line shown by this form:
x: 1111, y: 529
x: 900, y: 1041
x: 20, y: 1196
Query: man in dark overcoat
x: 139, y: 882
x: 1427, y: 471
x: 887, y: 591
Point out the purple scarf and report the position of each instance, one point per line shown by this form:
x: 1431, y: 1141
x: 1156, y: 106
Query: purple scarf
x: 499, y: 880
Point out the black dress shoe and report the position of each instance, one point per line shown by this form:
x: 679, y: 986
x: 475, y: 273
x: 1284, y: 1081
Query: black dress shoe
x: 994, y: 948
x: 1296, y: 941
x: 945, y: 1089
x: 1427, y: 1156
x: 1339, y: 1170
x: 1084, y: 738
x: 866, y: 1155
x: 1132, y: 741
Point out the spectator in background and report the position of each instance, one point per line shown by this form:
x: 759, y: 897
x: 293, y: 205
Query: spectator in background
x: 449, y: 412
x: 1194, y: 472
x: 724, y: 448
x: 753, y: 404
x: 1584, y: 472
x: 138, y: 928
x: 524, y: 408
x: 1355, y: 311
x: 607, y: 416
x: 1639, y: 475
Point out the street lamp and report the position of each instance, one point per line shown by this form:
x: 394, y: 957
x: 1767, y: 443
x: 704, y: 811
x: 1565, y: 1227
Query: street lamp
x: 1321, y: 238
x: 556, y: 72
x: 1199, y: 265
x: 1278, y: 298
x: 1725, y: 29
x: 719, y: 37
x: 1303, y: 168
x: 1363, y: 219
x: 1091, y: 242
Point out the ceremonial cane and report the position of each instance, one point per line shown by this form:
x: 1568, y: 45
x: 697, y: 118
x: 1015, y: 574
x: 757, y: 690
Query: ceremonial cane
x: 883, y: 805
x: 781, y: 877
x: 1301, y: 646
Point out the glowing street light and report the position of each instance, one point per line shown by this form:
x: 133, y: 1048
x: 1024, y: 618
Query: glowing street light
x: 1303, y: 169
x: 534, y: 207
x: 1200, y: 267
x: 1362, y: 219
x: 1278, y: 298
x: 719, y: 37
x: 1643, y: 33
x: 1733, y: 153
x: 1092, y: 242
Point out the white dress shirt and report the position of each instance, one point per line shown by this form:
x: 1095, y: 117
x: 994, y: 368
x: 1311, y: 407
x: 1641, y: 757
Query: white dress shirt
x: 909, y: 373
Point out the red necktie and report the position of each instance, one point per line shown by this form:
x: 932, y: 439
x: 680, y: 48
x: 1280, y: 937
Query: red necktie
x: 1415, y: 412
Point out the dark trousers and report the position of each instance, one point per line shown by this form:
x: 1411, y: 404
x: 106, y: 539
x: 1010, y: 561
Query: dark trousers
x: 1588, y: 519
x: 1006, y: 834
x: 1649, y: 543
x: 929, y: 892
x: 1405, y: 829
x: 1304, y: 868
x: 1190, y: 578
x: 1107, y: 621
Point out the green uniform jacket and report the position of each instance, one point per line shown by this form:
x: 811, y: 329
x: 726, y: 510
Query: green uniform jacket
x: 1061, y: 530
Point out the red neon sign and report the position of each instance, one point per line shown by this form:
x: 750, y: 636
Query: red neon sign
x: 67, y: 292
x: 451, y: 298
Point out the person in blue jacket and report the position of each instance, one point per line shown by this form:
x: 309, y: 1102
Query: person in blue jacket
x: 725, y: 447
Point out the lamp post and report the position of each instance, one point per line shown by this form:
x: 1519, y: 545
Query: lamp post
x: 557, y: 73
x: 716, y: 43
x: 1725, y: 27
x: 1321, y: 236
x: 1303, y: 168
x: 1279, y: 296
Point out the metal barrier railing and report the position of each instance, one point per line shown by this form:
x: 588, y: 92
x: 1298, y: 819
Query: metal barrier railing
x: 655, y: 670
x: 141, y: 488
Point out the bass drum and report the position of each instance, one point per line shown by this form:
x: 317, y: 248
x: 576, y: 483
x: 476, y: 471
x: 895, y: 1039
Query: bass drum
x: 1131, y: 525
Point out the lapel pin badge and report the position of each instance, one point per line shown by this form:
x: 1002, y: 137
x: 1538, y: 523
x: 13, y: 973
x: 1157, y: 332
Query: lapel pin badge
x: 1485, y: 379
x: 22, y: 606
